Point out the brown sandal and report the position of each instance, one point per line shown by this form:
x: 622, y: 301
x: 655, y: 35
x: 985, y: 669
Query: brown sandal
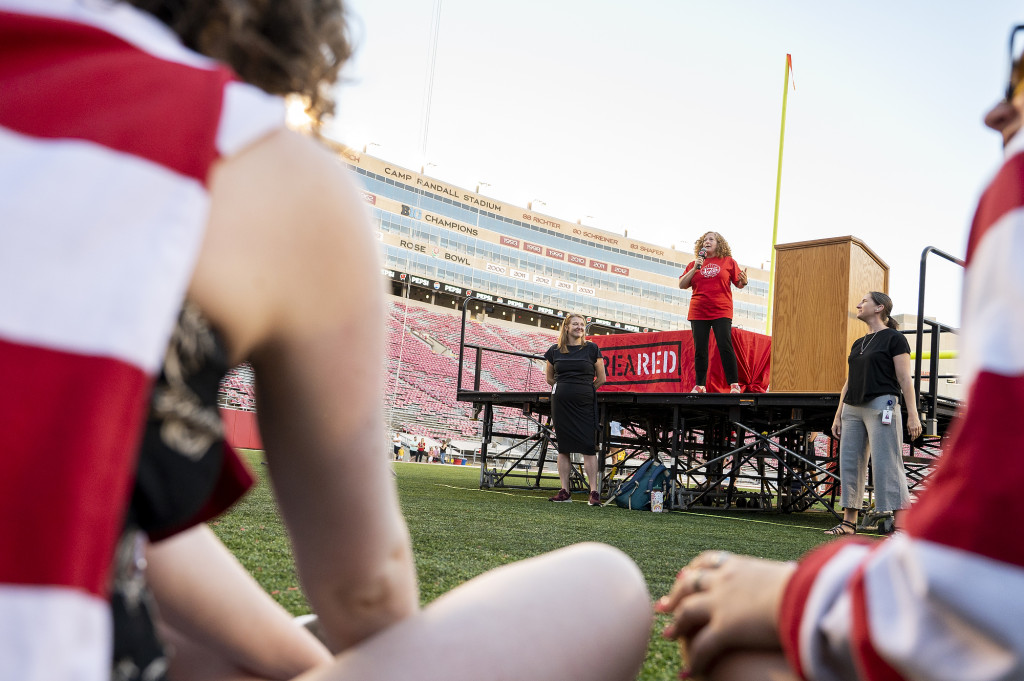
x: 840, y: 529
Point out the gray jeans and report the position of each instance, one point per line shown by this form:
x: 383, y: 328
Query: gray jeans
x: 863, y: 435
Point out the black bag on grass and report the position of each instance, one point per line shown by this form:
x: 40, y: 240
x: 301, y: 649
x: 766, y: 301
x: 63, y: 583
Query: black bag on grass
x: 634, y: 493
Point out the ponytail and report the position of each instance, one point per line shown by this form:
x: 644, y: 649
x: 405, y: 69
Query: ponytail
x: 886, y: 303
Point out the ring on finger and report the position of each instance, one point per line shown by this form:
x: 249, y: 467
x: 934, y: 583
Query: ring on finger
x: 698, y: 579
x: 720, y: 558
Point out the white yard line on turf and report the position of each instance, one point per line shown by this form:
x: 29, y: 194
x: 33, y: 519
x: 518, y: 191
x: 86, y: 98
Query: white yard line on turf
x: 701, y: 515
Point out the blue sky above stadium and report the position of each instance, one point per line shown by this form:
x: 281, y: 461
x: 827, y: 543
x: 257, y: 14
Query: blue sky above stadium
x: 663, y: 117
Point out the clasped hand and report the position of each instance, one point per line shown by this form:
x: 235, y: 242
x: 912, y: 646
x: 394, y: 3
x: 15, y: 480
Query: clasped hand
x: 722, y: 603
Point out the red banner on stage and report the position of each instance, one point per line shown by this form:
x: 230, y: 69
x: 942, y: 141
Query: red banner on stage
x: 663, y: 362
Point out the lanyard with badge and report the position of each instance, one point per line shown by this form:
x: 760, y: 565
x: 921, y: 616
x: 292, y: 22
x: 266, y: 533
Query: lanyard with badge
x: 887, y: 413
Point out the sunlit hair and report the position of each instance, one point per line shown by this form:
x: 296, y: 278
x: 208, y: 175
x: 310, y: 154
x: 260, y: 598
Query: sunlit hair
x: 723, y: 245
x: 563, y: 335
x: 284, y: 47
x: 886, y: 303
x: 1017, y: 75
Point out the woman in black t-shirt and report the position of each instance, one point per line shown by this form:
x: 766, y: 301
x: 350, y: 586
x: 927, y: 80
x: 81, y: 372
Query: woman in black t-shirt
x: 869, y: 418
x: 575, y: 370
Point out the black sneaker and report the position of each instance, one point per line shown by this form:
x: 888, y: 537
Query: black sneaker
x: 563, y: 497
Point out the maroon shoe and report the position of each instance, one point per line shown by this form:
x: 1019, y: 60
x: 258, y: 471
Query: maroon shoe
x: 595, y: 499
x: 563, y: 497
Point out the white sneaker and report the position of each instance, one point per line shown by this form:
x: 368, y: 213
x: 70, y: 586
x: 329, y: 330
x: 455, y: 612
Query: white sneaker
x: 699, y: 389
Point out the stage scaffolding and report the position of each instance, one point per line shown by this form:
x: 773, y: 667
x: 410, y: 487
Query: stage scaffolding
x: 761, y: 451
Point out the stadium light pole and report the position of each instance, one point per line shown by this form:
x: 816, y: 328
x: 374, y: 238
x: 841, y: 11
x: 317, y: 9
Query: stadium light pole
x: 366, y: 147
x: 428, y: 92
x: 482, y: 184
x: 533, y: 201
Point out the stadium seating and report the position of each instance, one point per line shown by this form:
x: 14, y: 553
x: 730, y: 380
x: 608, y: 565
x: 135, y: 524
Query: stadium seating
x: 422, y: 370
x: 237, y: 390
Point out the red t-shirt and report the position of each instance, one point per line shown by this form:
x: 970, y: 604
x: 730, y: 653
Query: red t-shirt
x: 712, y: 288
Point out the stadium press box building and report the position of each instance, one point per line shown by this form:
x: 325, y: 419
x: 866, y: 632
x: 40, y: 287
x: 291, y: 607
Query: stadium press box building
x: 444, y: 243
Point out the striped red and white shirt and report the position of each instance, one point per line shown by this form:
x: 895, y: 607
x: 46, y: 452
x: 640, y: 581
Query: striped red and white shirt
x: 945, y: 600
x: 109, y: 128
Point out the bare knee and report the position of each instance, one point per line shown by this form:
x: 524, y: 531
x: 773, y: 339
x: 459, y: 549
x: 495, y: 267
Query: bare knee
x: 613, y: 579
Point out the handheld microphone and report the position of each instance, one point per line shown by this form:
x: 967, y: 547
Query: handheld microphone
x: 703, y: 253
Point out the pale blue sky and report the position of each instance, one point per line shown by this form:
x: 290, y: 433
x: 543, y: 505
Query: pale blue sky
x: 663, y: 117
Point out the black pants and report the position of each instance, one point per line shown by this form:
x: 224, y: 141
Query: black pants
x: 723, y: 336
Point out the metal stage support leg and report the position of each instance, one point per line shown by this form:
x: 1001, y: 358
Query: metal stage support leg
x: 488, y: 428
x: 734, y: 438
x: 676, y: 453
x: 799, y: 486
x: 716, y: 448
x: 922, y: 460
x: 577, y: 475
x: 797, y: 475
x: 503, y: 467
x: 603, y: 449
x: 545, y: 439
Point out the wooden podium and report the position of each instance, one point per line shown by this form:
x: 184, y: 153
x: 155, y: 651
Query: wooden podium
x: 817, y: 287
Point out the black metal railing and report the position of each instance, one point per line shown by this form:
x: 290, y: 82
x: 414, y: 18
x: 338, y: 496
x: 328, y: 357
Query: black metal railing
x: 928, y: 402
x: 612, y: 330
x: 479, y: 349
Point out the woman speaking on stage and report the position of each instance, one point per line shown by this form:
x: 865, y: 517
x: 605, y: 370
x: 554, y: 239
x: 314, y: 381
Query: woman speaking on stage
x: 868, y: 421
x: 575, y: 370
x: 711, y: 276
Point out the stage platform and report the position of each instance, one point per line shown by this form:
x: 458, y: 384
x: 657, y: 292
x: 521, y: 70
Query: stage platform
x: 764, y: 451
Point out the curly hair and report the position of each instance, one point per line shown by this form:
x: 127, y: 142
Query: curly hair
x: 284, y: 47
x: 723, y: 246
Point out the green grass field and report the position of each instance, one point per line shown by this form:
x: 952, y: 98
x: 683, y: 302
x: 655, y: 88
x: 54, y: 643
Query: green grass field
x: 459, y: 531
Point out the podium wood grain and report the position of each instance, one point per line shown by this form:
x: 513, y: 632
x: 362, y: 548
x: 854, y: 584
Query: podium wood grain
x: 817, y: 287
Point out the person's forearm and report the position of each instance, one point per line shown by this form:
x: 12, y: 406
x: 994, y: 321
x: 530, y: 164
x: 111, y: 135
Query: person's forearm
x: 842, y: 397
x: 206, y: 595
x: 684, y: 281
x: 907, y: 386
x: 351, y: 547
x: 356, y: 604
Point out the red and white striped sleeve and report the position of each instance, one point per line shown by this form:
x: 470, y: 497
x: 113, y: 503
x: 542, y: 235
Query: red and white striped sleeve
x: 108, y: 130
x: 944, y: 600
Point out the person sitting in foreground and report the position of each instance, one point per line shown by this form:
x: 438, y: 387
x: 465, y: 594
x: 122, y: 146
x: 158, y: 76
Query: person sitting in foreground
x: 139, y: 172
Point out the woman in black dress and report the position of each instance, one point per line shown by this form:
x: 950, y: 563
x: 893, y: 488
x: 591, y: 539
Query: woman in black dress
x: 575, y: 370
